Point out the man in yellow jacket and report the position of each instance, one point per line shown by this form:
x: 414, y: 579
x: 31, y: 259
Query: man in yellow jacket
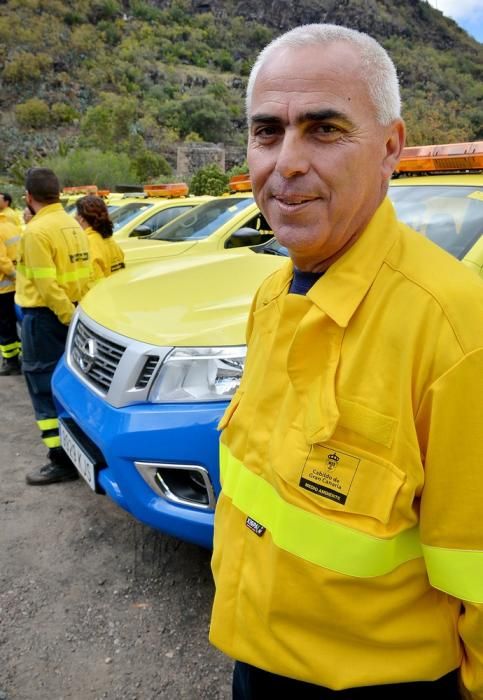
x: 6, y: 208
x: 348, y: 551
x: 52, y: 277
x: 9, y: 340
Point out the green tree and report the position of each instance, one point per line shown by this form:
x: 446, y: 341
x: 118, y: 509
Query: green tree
x: 93, y: 167
x: 151, y: 166
x: 206, y: 116
x: 33, y: 114
x: 209, y: 180
x: 238, y: 169
x: 26, y: 67
x: 63, y: 113
x: 108, y: 125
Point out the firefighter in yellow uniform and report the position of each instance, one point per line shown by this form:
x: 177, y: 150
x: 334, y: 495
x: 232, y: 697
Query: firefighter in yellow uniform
x: 9, y: 340
x: 6, y: 208
x: 348, y: 549
x: 105, y: 254
x: 52, y: 277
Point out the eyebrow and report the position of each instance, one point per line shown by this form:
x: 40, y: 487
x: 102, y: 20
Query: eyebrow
x: 317, y: 116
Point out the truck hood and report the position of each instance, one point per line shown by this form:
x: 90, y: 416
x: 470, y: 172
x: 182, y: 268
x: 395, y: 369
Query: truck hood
x: 140, y: 250
x: 188, y: 301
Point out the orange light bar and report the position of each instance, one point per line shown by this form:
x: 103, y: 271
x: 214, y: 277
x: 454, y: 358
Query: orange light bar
x: 240, y: 183
x: 450, y: 156
x: 175, y: 189
x: 103, y: 193
x: 81, y: 189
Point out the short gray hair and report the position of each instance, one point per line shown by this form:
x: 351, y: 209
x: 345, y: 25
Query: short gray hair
x: 377, y: 68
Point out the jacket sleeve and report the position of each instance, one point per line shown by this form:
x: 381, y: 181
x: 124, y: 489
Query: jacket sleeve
x: 97, y: 269
x: 450, y: 519
x: 96, y: 260
x: 7, y: 267
x: 41, y: 269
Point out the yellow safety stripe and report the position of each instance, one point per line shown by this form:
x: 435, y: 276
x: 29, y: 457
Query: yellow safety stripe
x: 8, y: 282
x: 48, y: 424
x: 455, y: 571
x: 310, y: 537
x: 9, y: 351
x: 50, y: 273
x: 37, y: 273
x: 51, y: 441
x: 12, y: 240
x: 81, y: 273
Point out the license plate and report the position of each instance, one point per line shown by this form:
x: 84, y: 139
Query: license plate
x: 81, y: 460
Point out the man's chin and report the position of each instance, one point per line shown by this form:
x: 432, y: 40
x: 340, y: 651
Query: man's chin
x: 299, y: 240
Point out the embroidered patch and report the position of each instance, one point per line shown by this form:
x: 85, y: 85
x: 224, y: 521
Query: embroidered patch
x: 255, y: 527
x: 329, y: 473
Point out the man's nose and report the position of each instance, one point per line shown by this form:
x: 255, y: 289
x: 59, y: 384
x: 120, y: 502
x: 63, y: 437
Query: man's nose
x: 293, y: 157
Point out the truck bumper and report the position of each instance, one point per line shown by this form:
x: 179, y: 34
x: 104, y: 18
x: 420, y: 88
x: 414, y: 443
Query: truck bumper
x: 135, y: 447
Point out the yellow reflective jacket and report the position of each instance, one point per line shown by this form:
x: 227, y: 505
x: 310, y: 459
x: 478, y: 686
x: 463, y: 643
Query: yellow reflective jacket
x: 54, y: 267
x: 12, y: 216
x: 106, y: 255
x: 9, y: 240
x: 351, y: 470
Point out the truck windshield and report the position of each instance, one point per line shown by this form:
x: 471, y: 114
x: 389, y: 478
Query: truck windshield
x: 200, y: 222
x: 449, y: 215
x: 126, y: 212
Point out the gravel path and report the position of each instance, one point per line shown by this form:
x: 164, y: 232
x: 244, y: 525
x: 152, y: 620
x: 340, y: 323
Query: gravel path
x: 93, y: 605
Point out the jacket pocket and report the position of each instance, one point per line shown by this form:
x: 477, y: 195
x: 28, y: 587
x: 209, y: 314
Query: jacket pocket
x: 347, y: 481
x: 364, y: 421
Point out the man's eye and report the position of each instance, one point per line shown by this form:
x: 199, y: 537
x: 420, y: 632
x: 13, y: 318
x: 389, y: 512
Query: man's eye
x: 325, y: 130
x: 266, y: 131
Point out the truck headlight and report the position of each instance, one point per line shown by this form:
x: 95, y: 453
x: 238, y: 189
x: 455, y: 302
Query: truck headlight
x: 199, y: 374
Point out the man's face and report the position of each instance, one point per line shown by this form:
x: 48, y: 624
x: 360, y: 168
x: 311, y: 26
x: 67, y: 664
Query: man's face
x: 3, y: 202
x: 29, y: 201
x: 319, y: 161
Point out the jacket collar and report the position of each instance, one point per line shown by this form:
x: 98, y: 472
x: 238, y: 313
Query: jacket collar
x: 48, y: 209
x: 341, y: 289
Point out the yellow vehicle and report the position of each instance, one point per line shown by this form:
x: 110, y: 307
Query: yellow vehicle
x: 139, y: 215
x: 438, y: 191
x: 70, y: 195
x: 156, y: 351
x: 446, y: 207
x: 231, y: 221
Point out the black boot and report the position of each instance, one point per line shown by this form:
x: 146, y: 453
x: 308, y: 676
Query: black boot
x: 60, y: 468
x: 10, y: 366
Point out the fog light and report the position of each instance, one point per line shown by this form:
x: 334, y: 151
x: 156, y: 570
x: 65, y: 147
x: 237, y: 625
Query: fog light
x: 185, y: 484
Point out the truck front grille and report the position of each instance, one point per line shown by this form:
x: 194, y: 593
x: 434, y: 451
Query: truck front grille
x: 95, y: 357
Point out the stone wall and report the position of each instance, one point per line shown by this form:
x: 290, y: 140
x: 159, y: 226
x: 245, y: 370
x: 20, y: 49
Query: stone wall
x: 193, y: 156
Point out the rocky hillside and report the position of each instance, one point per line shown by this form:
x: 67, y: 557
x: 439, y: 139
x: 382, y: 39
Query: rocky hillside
x: 138, y: 77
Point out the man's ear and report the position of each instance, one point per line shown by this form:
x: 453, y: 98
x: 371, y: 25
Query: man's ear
x: 395, y: 140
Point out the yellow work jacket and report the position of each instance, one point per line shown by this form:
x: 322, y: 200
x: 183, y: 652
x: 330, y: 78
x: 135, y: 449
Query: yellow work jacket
x: 12, y: 216
x: 9, y: 240
x: 106, y: 256
x: 54, y: 267
x: 348, y: 533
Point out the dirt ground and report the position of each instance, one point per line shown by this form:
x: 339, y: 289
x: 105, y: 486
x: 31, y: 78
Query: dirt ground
x: 93, y: 605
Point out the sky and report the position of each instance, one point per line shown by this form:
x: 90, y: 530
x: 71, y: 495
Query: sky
x: 467, y: 13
